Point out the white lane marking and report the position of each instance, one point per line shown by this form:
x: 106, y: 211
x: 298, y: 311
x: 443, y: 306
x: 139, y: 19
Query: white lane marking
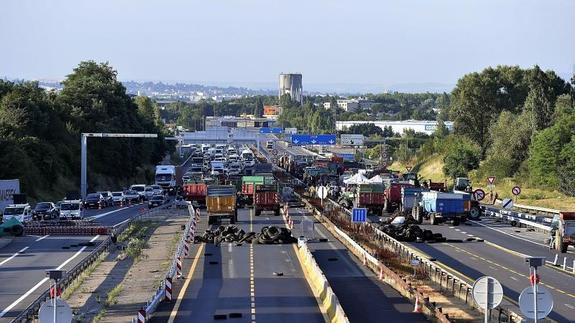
x: 509, y: 234
x: 42, y: 238
x: 570, y: 306
x: 515, y: 279
x: 95, y: 217
x: 119, y: 224
x: 41, y: 282
x: 13, y: 256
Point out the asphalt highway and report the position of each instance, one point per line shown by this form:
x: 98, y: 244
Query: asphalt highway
x: 241, y: 282
x: 24, y: 262
x: 501, y: 255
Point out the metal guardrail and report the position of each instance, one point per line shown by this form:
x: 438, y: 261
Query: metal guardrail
x: 29, y: 314
x: 447, y: 280
x: 160, y: 294
x: 535, y: 221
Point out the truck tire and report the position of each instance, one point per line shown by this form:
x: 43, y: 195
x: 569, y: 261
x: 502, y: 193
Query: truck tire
x: 432, y: 219
x: 277, y: 212
x: 417, y: 216
x: 474, y: 213
x: 211, y: 220
x: 17, y: 230
x: 387, y: 206
x: 564, y: 247
x: 234, y: 218
x: 456, y: 222
x: 257, y: 212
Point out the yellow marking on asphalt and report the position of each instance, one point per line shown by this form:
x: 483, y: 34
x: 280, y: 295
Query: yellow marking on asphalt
x: 508, y: 269
x: 174, y: 312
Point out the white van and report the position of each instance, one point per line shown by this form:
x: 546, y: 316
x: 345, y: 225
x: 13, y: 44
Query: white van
x: 248, y: 158
x: 22, y: 213
x: 71, y: 209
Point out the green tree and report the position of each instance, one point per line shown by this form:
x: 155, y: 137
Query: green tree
x: 540, y: 100
x: 460, y: 159
x: 259, y: 108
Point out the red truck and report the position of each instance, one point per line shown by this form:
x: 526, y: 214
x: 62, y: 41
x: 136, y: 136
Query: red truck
x: 195, y: 192
x: 393, y: 196
x: 266, y: 198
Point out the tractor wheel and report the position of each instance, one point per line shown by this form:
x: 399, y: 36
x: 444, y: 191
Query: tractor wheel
x: 17, y: 230
x: 433, y: 219
x: 564, y: 247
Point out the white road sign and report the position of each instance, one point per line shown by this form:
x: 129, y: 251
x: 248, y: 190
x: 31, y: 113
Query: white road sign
x: 544, y: 302
x: 322, y: 192
x: 63, y: 312
x: 351, y: 139
x: 507, y: 204
x: 487, y: 292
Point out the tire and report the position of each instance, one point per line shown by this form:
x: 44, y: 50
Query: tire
x: 456, y: 222
x: 277, y: 212
x: 212, y: 220
x: 474, y: 213
x: 387, y: 206
x: 17, y: 230
x: 417, y: 216
x: 257, y: 212
x: 234, y: 218
x: 564, y: 247
x: 433, y: 219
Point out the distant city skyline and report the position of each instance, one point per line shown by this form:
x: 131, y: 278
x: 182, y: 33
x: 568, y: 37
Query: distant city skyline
x: 362, y: 46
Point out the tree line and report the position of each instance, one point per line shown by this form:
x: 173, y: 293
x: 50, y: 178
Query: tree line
x: 40, y: 133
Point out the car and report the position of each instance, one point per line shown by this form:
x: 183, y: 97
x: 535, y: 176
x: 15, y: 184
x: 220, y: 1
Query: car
x: 107, y: 195
x: 156, y: 200
x: 118, y: 198
x: 132, y: 196
x: 158, y: 190
x: 71, y: 209
x: 45, y: 211
x: 180, y: 203
x: 140, y: 188
x: 94, y: 200
x: 148, y: 192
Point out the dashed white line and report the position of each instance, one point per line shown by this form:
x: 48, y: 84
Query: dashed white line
x: 42, y: 238
x: 41, y: 282
x: 515, y: 279
x: 570, y: 306
x: 13, y: 256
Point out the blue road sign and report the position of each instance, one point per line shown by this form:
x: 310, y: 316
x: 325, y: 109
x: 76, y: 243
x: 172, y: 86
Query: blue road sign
x: 349, y: 157
x: 359, y: 215
x: 313, y: 139
x: 271, y: 130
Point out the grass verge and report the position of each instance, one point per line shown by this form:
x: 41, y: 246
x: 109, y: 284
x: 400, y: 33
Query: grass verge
x: 80, y: 280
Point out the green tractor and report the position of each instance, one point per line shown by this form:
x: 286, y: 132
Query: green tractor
x: 11, y: 227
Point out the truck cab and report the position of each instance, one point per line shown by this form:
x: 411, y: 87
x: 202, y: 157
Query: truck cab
x: 166, y: 177
x: 462, y: 184
x: 21, y: 212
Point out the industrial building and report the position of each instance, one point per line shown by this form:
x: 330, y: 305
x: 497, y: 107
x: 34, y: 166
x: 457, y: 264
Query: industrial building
x: 238, y: 122
x: 425, y: 126
x: 291, y: 84
x: 351, y: 105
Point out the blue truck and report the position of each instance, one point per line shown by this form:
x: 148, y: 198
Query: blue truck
x: 409, y: 198
x: 438, y: 207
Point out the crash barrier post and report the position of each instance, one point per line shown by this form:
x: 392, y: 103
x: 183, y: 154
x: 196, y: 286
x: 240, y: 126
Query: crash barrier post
x: 448, y: 281
x: 164, y: 292
x: 319, y: 284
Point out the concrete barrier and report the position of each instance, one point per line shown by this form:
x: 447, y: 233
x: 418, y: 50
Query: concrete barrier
x: 329, y: 303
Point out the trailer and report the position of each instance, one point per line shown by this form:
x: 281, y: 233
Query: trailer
x: 410, y: 197
x: 393, y: 196
x: 371, y: 197
x: 563, y: 231
x: 266, y: 198
x: 221, y: 203
x: 195, y: 192
x: 439, y: 207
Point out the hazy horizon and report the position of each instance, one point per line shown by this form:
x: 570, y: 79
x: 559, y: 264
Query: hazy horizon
x: 363, y: 45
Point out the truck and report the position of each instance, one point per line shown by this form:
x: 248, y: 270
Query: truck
x: 266, y: 198
x: 250, y: 182
x: 370, y: 196
x: 462, y: 185
x: 8, y: 188
x: 71, y: 209
x: 438, y: 207
x: 393, y: 196
x: 562, y: 234
x: 195, y: 192
x: 221, y: 203
x: 166, y: 177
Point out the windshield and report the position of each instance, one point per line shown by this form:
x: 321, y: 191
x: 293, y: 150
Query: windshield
x: 164, y: 177
x: 104, y: 194
x: 247, y: 156
x: 138, y: 188
x: 197, y: 160
x: 117, y: 194
x: 130, y: 193
x: 149, y: 189
x: 156, y: 187
x: 157, y: 198
x: 69, y: 206
x: 42, y: 206
x: 93, y: 196
x: 13, y: 210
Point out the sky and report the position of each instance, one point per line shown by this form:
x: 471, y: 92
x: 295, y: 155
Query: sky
x: 338, y: 43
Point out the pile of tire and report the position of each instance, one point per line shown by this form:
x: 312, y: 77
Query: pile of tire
x: 231, y: 233
x: 411, y: 233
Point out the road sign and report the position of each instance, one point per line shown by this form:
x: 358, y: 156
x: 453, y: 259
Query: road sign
x: 479, y: 194
x: 487, y: 292
x: 322, y: 192
x: 313, y: 139
x: 358, y: 215
x: 351, y: 139
x: 516, y: 190
x: 290, y: 131
x: 63, y: 312
x: 491, y: 180
x: 507, y: 204
x: 544, y: 302
x: 271, y: 130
